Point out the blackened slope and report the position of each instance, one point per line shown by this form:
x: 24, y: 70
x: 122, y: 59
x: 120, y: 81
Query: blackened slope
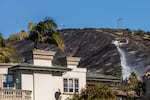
x: 95, y: 49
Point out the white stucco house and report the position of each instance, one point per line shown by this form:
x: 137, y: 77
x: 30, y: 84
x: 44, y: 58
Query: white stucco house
x: 40, y: 80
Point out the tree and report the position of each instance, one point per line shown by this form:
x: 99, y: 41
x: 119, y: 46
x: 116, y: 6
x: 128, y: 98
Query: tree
x: 137, y: 85
x: 6, y: 52
x: 140, y: 89
x: 131, y: 84
x: 45, y: 32
x: 133, y: 81
x: 133, y: 87
x: 19, y: 36
x: 96, y: 92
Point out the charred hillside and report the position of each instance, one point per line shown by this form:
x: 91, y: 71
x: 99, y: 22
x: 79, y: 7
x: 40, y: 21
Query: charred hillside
x: 95, y: 48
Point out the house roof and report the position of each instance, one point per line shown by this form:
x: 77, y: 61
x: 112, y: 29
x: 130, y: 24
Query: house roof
x: 91, y: 76
x: 39, y: 68
x: 7, y: 65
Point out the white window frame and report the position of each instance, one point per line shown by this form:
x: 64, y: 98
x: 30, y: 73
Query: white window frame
x: 70, y: 87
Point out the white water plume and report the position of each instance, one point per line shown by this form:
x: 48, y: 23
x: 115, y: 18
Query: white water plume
x: 129, y: 63
x: 126, y: 70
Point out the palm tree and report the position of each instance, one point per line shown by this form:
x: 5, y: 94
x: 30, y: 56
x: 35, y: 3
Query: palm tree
x: 45, y: 31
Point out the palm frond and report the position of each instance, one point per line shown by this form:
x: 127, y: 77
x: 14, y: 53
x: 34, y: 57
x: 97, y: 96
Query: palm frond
x: 45, y: 31
x: 59, y: 41
x: 31, y: 26
x: 51, y: 21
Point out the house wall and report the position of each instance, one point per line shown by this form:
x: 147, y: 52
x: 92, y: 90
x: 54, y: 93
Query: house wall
x: 44, y: 84
x: 42, y: 57
x: 27, y: 83
x: 56, y: 84
x: 41, y: 62
x: 79, y: 73
x: 2, y: 71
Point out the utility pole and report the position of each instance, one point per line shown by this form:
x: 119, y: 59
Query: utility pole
x: 119, y: 23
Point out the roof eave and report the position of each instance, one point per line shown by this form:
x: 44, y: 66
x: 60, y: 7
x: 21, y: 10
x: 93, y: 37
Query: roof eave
x: 39, y: 68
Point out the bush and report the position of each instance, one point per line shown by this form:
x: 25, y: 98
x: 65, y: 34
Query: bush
x: 96, y: 92
x: 19, y: 36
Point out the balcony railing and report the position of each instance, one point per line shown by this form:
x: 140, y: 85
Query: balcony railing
x: 15, y: 94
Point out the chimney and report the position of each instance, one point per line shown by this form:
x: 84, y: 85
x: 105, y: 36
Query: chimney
x: 72, y: 62
x: 42, y: 57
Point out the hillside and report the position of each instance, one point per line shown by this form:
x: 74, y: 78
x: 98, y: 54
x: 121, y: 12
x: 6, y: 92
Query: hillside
x: 96, y: 50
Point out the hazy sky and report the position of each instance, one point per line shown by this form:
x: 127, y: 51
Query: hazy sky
x: 16, y: 14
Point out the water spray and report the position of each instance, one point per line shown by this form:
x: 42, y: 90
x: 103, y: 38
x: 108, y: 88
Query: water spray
x: 126, y: 70
x: 128, y: 63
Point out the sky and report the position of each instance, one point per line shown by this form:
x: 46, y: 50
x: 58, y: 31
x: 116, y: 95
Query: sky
x: 17, y: 14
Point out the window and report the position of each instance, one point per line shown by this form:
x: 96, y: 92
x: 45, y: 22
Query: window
x: 8, y: 80
x: 71, y: 85
x: 76, y: 85
x: 65, y: 85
